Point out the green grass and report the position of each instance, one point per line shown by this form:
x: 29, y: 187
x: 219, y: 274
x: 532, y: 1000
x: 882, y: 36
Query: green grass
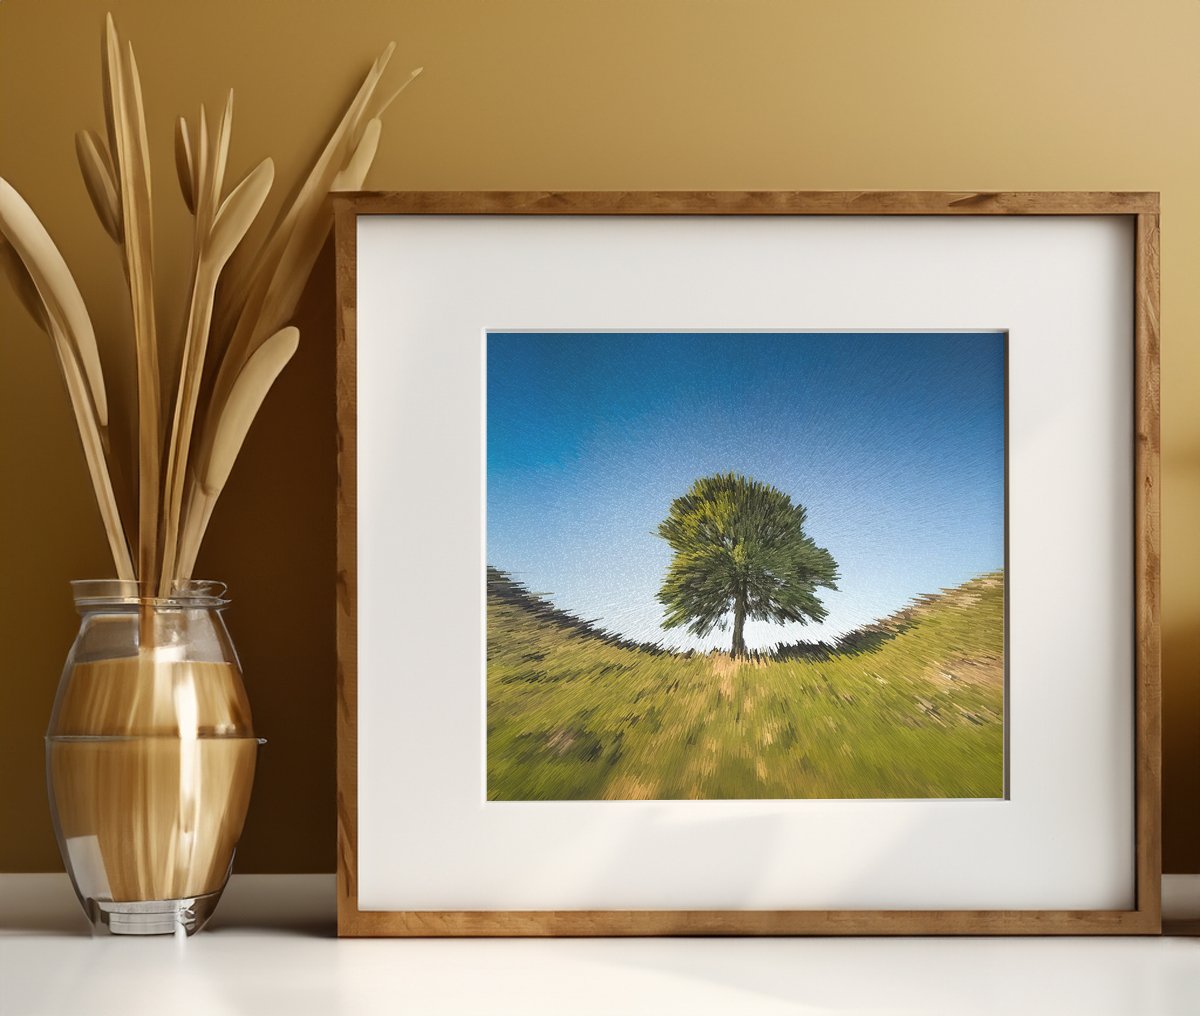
x: 915, y: 711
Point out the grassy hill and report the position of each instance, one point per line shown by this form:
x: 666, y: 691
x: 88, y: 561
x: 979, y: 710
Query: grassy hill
x: 911, y: 706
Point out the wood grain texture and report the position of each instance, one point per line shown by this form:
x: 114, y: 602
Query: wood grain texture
x: 346, y: 247
x: 754, y: 203
x: 1144, y: 919
x: 633, y: 923
x: 1147, y: 563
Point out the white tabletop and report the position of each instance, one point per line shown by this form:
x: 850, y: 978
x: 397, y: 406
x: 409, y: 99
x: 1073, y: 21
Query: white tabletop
x: 271, y: 949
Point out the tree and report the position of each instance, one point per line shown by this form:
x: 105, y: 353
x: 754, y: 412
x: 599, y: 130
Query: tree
x: 740, y: 548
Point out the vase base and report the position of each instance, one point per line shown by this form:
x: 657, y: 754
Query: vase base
x: 154, y: 917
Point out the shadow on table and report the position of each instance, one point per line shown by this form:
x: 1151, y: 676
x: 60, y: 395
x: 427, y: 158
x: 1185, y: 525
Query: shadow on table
x: 304, y: 905
x: 42, y: 904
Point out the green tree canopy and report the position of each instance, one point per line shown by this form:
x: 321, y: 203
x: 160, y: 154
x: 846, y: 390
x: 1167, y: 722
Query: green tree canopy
x: 740, y: 548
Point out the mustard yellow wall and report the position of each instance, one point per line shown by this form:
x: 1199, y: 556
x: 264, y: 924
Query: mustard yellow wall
x: 531, y: 94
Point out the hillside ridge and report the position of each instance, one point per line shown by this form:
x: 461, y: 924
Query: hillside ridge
x: 866, y: 638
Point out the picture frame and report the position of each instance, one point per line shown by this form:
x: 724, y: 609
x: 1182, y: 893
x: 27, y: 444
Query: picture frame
x: 1137, y: 214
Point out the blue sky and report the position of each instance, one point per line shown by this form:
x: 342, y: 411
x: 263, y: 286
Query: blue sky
x: 893, y: 442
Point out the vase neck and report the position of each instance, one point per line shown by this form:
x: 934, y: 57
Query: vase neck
x: 127, y: 594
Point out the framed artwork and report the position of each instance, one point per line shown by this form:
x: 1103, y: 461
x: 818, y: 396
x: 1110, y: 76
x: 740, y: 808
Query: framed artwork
x: 748, y: 563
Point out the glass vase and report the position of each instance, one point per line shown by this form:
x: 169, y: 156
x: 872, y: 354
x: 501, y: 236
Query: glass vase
x: 150, y: 756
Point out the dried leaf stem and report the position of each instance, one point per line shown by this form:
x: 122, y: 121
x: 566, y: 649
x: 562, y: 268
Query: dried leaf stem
x: 234, y: 340
x: 267, y: 291
x: 219, y: 228
x: 43, y: 275
x: 128, y: 128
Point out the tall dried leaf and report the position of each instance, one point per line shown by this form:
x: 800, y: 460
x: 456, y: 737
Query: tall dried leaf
x: 242, y: 299
x: 185, y: 165
x: 22, y: 284
x: 239, y: 209
x: 133, y: 162
x: 68, y: 324
x: 382, y: 107
x: 355, y: 172
x: 60, y: 297
x: 245, y: 398
x: 232, y: 220
x: 100, y: 179
x: 109, y: 82
x: 221, y: 153
x: 212, y: 472
x: 203, y: 170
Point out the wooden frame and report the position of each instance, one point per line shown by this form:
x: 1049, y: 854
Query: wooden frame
x: 1143, y: 919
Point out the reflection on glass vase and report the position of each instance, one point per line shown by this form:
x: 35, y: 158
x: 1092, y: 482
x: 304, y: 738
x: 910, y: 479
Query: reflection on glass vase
x: 150, y: 756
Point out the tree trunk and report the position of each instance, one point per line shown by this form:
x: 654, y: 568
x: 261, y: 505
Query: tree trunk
x: 739, y: 623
